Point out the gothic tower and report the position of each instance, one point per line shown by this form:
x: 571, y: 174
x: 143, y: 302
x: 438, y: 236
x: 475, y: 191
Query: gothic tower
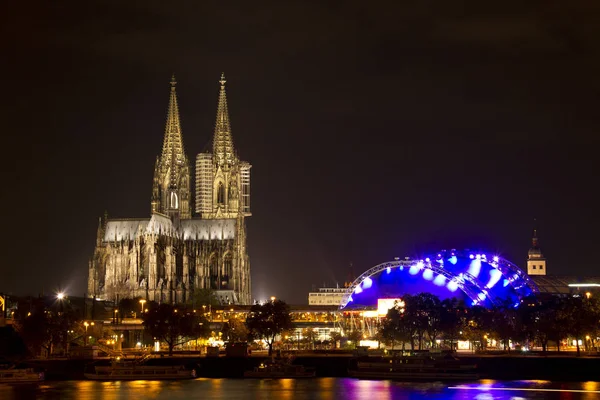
x: 222, y: 180
x: 171, y: 186
x: 223, y: 193
x: 536, y: 263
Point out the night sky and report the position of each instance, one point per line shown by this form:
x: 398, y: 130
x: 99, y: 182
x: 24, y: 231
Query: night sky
x: 375, y: 129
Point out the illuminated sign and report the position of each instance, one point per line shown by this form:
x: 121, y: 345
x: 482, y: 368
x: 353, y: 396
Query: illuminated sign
x: 384, y: 305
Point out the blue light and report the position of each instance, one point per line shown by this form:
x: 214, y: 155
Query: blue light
x: 475, y: 267
x: 358, y: 290
x: 496, y: 258
x: 481, y: 296
x: 414, y: 270
x: 402, y: 268
x: 427, y: 259
x: 428, y: 274
x: 388, y: 270
x: 350, y: 299
x: 453, y: 260
x: 367, y: 283
x: 452, y: 286
x: 495, y: 276
x: 439, y: 280
x: 516, y: 305
x: 471, y: 256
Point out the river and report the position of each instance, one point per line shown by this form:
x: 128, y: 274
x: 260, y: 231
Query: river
x: 318, y: 388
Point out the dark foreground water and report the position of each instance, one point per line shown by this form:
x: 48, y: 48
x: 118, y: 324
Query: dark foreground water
x: 319, y: 388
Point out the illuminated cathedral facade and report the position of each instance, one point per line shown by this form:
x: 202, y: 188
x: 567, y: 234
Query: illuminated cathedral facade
x: 188, y: 243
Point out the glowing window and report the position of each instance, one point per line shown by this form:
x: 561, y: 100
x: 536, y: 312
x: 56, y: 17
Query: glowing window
x: 221, y: 193
x: 174, y: 200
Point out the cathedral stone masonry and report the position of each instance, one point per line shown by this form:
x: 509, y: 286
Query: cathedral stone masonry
x: 172, y: 254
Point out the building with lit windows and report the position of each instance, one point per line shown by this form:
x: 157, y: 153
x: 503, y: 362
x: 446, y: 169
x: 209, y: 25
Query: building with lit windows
x: 326, y: 296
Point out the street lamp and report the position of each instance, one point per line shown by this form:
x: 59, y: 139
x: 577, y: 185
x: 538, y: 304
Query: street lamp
x: 86, y: 324
x: 60, y: 296
x: 142, y: 301
x: 588, y: 294
x: 272, y: 298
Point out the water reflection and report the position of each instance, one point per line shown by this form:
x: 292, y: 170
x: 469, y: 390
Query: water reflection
x: 320, y: 388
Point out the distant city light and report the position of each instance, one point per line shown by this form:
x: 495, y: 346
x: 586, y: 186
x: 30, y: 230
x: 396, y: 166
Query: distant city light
x: 60, y: 296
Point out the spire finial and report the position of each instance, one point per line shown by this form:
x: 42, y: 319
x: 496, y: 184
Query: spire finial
x: 222, y: 142
x: 173, y: 82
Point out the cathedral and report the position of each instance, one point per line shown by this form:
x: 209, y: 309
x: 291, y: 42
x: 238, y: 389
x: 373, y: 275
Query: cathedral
x: 188, y: 243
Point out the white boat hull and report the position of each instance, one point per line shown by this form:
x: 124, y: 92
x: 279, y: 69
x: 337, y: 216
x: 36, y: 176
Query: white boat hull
x: 20, y: 376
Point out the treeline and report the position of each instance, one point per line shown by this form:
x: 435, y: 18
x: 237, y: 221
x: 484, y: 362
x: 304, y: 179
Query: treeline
x: 425, y: 321
x: 44, y: 329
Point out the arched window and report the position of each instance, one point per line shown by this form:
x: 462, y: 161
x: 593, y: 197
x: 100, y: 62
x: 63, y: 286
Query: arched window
x: 213, y: 267
x: 174, y: 201
x: 228, y: 265
x: 221, y: 193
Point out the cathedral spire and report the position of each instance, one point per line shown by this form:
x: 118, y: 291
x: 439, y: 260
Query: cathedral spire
x: 171, y: 188
x: 222, y: 141
x: 173, y: 142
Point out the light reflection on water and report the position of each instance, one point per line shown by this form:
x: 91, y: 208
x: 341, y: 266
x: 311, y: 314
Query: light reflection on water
x: 299, y: 389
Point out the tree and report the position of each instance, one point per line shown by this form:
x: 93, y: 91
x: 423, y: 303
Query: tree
x: 42, y: 329
x: 582, y: 317
x: 266, y: 321
x: 174, y: 326
x: 235, y: 330
x: 451, y: 314
x: 335, y: 338
x: 476, y: 323
x: 310, y: 335
x: 430, y: 312
x: 11, y: 344
x: 396, y: 328
x: 355, y: 337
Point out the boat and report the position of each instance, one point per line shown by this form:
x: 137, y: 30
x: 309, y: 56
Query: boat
x: 280, y: 370
x: 20, y: 375
x: 427, y: 366
x: 120, y: 371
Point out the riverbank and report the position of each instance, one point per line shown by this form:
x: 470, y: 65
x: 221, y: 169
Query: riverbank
x: 501, y: 367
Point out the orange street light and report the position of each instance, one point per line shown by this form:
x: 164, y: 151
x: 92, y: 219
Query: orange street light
x: 142, y: 301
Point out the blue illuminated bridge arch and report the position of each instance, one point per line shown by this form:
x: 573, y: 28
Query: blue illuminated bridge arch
x: 483, y: 279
